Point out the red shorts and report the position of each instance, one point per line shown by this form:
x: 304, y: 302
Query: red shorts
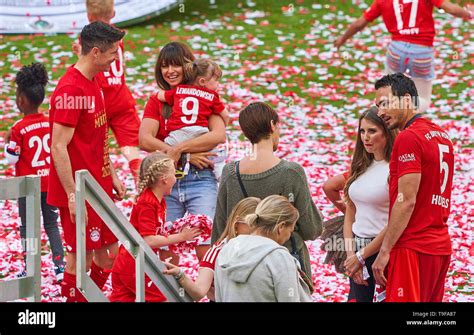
x: 416, y: 277
x: 123, y: 289
x: 125, y: 125
x: 98, y: 234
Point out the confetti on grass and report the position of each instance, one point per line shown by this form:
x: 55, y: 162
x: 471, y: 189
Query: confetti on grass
x: 284, y: 57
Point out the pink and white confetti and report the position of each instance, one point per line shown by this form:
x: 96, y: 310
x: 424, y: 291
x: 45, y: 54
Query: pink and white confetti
x: 318, y: 94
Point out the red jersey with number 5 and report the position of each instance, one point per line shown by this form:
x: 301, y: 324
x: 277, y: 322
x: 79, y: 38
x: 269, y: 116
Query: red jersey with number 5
x: 192, y: 106
x: 30, y: 139
x: 407, y: 20
x: 425, y: 148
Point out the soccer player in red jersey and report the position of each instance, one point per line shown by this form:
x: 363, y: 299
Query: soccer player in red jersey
x: 411, y: 24
x: 122, y: 116
x: 417, y: 245
x: 28, y: 147
x: 79, y: 141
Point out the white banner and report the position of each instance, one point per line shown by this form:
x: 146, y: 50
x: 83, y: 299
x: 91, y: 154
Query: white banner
x: 66, y: 16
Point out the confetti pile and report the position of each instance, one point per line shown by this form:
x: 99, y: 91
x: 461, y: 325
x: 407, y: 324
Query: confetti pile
x: 203, y: 222
x: 283, y: 56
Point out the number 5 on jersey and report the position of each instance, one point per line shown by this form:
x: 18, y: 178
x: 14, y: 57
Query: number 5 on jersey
x: 443, y: 166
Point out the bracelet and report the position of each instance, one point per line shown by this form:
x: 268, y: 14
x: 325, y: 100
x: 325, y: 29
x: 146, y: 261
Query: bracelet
x: 180, y: 275
x: 359, y: 257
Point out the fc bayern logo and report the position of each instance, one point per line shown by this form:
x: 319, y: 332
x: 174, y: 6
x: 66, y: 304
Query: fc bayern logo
x: 95, y: 235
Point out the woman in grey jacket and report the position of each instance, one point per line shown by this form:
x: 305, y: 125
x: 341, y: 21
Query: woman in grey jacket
x: 256, y: 267
x: 264, y: 174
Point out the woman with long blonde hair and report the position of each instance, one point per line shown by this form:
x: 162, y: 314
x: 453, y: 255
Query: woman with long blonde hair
x: 236, y: 225
x: 257, y: 267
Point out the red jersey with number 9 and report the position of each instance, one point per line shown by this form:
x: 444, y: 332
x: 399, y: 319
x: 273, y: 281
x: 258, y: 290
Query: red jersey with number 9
x: 407, y: 20
x: 30, y: 139
x: 425, y: 148
x: 192, y: 106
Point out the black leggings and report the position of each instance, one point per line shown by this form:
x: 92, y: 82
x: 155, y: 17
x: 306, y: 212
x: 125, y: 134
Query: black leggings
x: 363, y: 293
x: 50, y: 223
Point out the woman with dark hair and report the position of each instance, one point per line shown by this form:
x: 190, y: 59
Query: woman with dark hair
x: 264, y: 174
x: 196, y: 192
x: 367, y: 203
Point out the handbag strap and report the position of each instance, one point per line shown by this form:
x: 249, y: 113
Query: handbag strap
x: 294, y: 252
x: 239, y: 178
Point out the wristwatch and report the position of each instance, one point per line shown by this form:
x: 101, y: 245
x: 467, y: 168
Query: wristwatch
x: 180, y: 275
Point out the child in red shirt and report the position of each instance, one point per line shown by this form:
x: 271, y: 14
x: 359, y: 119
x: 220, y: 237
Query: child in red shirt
x: 193, y: 103
x: 157, y: 177
x: 28, y: 147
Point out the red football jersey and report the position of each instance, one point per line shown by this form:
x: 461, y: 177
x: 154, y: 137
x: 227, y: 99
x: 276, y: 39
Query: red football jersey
x: 425, y: 148
x: 117, y: 96
x: 407, y: 20
x: 30, y: 139
x: 210, y: 258
x: 153, y: 110
x: 77, y: 102
x: 192, y: 106
x: 148, y: 216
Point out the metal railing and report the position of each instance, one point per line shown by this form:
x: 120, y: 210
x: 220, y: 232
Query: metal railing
x: 87, y: 189
x: 29, y: 286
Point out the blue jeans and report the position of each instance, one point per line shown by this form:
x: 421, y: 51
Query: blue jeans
x: 196, y: 193
x: 418, y: 60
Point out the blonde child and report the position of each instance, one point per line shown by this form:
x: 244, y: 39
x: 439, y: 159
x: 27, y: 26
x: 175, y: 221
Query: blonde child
x: 157, y: 177
x: 204, y: 284
x: 193, y: 103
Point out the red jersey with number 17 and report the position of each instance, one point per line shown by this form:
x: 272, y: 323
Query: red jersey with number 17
x: 77, y: 102
x: 425, y: 148
x: 31, y: 140
x: 407, y: 20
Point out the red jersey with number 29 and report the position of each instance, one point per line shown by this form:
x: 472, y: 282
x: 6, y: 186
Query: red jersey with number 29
x: 407, y: 20
x: 425, y: 148
x: 31, y: 140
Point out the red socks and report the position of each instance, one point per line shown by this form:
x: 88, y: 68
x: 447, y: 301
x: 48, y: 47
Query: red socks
x: 134, y: 166
x: 99, y: 275
x: 68, y: 285
x: 69, y: 289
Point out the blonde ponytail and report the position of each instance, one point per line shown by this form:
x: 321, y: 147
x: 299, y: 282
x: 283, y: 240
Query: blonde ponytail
x: 270, y: 212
